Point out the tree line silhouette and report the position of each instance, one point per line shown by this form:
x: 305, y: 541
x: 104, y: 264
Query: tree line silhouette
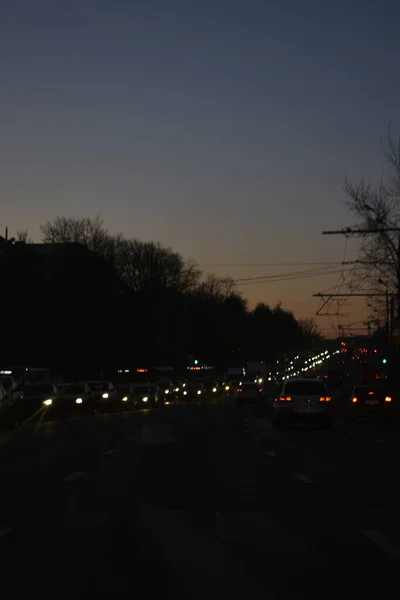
x: 88, y: 301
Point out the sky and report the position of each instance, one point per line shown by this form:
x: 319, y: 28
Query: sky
x: 221, y: 128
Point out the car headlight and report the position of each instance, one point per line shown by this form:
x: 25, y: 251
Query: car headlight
x: 79, y: 401
x: 125, y: 399
x: 185, y: 393
x: 214, y: 389
x: 176, y: 389
x: 198, y: 392
x: 145, y: 399
x: 48, y: 402
x: 167, y: 391
x: 105, y: 395
x: 226, y: 388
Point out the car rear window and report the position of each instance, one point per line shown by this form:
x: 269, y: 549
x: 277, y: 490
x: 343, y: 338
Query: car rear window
x: 250, y: 387
x: 305, y: 388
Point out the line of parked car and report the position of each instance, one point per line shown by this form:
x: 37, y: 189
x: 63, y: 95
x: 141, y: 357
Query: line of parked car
x: 20, y: 401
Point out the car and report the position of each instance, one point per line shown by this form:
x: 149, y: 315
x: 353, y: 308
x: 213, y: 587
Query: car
x: 371, y: 400
x: 105, y: 395
x: 194, y: 390
x: 167, y: 390
x: 177, y: 389
x: 213, y: 388
x: 249, y: 393
x: 11, y: 387
x: 304, y: 399
x: 74, y: 398
x: 145, y: 395
x: 37, y: 397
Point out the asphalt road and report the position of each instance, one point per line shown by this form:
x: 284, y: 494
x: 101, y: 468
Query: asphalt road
x: 196, y: 501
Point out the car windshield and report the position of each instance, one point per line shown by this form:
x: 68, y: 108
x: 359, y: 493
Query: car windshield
x: 305, y: 388
x: 98, y: 385
x: 77, y: 388
x: 6, y: 382
x: 142, y: 389
x: 39, y: 389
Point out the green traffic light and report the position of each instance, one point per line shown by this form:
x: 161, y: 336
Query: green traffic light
x: 384, y: 361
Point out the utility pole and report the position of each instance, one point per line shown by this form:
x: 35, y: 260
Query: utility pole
x: 394, y: 308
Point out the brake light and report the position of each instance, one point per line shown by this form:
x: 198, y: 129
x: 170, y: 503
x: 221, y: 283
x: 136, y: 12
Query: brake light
x: 370, y: 393
x: 388, y: 399
x: 260, y: 390
x: 285, y: 398
x: 325, y: 399
x: 239, y: 390
x: 354, y: 400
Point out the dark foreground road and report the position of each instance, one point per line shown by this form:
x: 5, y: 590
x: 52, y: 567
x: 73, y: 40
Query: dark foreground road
x: 191, y: 502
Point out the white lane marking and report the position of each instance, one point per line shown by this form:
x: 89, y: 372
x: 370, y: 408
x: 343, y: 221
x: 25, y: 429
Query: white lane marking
x: 4, y: 530
x: 383, y: 542
x: 270, y: 453
x: 73, y: 476
x: 380, y: 441
x: 303, y: 478
x: 110, y: 451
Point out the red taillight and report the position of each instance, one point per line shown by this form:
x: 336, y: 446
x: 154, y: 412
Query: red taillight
x: 325, y: 399
x: 260, y: 390
x: 239, y: 390
x: 285, y: 398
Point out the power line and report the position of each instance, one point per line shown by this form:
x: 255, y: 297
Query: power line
x: 276, y: 264
x: 293, y: 277
x: 287, y: 274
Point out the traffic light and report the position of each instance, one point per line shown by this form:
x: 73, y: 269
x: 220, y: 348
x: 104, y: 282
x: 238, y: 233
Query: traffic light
x: 196, y: 362
x: 384, y: 361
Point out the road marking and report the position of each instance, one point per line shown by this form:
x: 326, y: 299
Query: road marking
x: 256, y: 439
x: 380, y: 441
x: 270, y: 453
x: 383, y: 542
x: 303, y: 478
x: 111, y: 451
x: 4, y: 530
x: 73, y: 476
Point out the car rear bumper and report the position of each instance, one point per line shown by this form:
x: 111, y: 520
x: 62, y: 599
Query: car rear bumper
x: 372, y: 411
x: 306, y: 413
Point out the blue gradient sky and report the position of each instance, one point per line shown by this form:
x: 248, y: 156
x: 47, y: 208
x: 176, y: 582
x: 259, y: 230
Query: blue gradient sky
x: 222, y: 128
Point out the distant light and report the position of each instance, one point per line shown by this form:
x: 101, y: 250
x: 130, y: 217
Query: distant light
x: 79, y: 401
x: 196, y: 362
x: 384, y: 361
